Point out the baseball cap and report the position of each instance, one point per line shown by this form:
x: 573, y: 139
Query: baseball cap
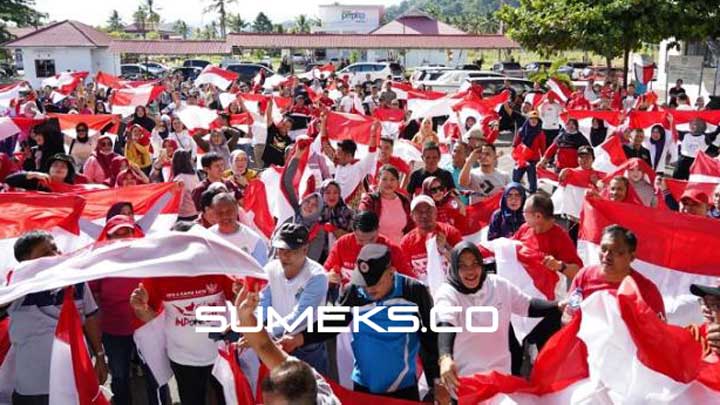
x: 703, y: 290
x: 534, y: 114
x: 366, y: 221
x: 290, y: 236
x: 420, y: 199
x: 695, y: 195
x: 372, y: 262
x: 586, y: 150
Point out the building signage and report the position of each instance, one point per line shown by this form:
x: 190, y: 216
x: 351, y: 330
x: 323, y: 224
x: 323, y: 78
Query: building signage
x: 353, y: 15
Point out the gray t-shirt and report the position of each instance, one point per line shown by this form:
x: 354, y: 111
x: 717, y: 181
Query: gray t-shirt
x: 33, y: 320
x: 485, y: 185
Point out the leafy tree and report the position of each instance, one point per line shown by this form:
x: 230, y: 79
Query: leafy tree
x: 543, y: 75
x: 19, y: 12
x: 153, y: 18
x: 302, y: 24
x: 182, y: 28
x: 236, y: 23
x: 115, y: 23
x: 140, y: 19
x: 262, y: 23
x: 278, y: 29
x: 219, y: 6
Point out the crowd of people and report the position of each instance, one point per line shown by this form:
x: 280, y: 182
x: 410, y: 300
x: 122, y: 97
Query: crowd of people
x: 356, y: 238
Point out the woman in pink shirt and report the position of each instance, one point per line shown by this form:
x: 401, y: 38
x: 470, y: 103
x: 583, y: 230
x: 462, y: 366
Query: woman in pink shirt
x: 392, y: 207
x: 97, y: 166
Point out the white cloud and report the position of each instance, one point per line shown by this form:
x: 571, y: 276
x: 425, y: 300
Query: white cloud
x: 97, y: 12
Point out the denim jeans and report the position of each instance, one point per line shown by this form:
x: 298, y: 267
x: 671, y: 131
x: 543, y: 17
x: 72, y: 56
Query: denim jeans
x: 518, y: 174
x: 120, y: 350
x: 315, y: 355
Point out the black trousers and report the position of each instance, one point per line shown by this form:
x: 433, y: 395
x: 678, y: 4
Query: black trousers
x: 538, y: 336
x: 682, y: 170
x: 18, y: 399
x: 193, y: 383
x: 409, y: 393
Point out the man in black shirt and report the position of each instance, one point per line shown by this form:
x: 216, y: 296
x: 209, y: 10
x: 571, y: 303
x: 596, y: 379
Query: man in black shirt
x: 431, y: 159
x: 636, y: 150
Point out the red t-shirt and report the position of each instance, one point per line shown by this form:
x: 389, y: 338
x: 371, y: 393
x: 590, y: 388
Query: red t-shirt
x: 554, y: 242
x: 590, y: 279
x: 343, y: 256
x: 413, y: 245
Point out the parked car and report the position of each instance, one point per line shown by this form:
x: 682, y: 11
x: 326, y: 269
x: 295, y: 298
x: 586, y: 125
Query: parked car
x: 157, y: 69
x: 378, y: 71
x: 534, y: 67
x: 135, y: 71
x: 577, y: 69
x: 493, y: 85
x: 196, y: 63
x: 188, y: 73
x: 451, y: 80
x: 511, y: 69
x: 428, y: 72
x: 470, y: 66
x: 247, y: 71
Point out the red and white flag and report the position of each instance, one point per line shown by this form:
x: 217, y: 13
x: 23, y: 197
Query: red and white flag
x: 95, y: 123
x: 682, y: 118
x: 705, y: 169
x: 105, y: 81
x: 64, y: 84
x: 664, y: 240
x: 72, y: 374
x: 612, y: 120
x: 644, y: 69
x: 348, y: 126
x: 228, y: 372
x: 560, y: 89
x: 478, y: 216
x: 609, y: 155
x: 569, y: 196
x: 125, y: 100
x: 25, y: 212
x: 678, y: 187
x: 8, y: 127
x: 392, y: 121
x: 196, y: 117
x: 255, y: 203
x: 220, y: 78
x: 9, y: 93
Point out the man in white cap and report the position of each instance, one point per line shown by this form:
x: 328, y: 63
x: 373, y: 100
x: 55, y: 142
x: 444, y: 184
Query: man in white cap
x: 424, y: 214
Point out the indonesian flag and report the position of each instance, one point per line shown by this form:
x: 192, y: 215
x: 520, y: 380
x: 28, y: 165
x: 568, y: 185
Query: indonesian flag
x: 569, y: 196
x: 155, y: 206
x: 521, y: 154
x: 275, y: 80
x: 647, y: 120
x: 534, y: 99
x: 392, y: 121
x: 319, y: 72
x: 609, y: 155
x: 579, y: 364
x: 220, y: 78
x: 8, y: 127
x: 523, y: 267
x: 255, y: 203
x: 11, y: 92
x: 477, y: 217
x: 95, y: 122
x: 229, y: 373
x: 342, y: 126
x: 124, y: 101
x: 705, y: 169
x: 678, y: 187
x: 25, y: 212
x: 196, y: 117
x: 682, y: 118
x: 64, y: 84
x: 548, y: 177
x: 612, y: 120
x: 664, y: 240
x: 407, y: 151
x: 279, y: 207
x: 644, y: 69
x: 72, y: 375
x: 562, y: 92
x: 105, y: 80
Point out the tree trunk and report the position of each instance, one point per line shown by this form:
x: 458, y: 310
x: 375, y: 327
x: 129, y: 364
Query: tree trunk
x: 626, y: 61
x: 608, y: 63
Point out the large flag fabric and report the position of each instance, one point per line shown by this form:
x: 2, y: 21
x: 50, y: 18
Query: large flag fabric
x: 8, y: 127
x: 24, y: 212
x: 220, y: 78
x: 609, y: 155
x: 559, y: 89
x: 255, y: 203
x: 477, y: 218
x: 682, y: 118
x: 125, y: 100
x: 162, y: 254
x: 228, y: 372
x: 668, y: 251
x: 570, y: 194
x: 678, y: 187
x: 611, y: 119
x: 72, y: 375
x: 705, y: 169
x: 196, y: 117
x: 279, y: 207
x: 392, y: 121
x: 10, y: 92
x: 342, y: 126
x: 95, y: 122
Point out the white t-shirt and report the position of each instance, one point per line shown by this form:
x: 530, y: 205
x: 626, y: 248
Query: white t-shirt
x: 347, y: 103
x: 184, y: 141
x: 550, y: 115
x: 486, y: 184
x: 247, y: 240
x: 349, y: 176
x: 476, y: 352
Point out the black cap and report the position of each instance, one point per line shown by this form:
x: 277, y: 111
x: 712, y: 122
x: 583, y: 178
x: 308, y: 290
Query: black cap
x: 703, y: 290
x: 372, y: 262
x: 290, y: 236
x: 366, y: 221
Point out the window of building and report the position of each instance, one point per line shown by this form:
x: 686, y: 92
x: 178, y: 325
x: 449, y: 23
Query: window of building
x: 44, y: 68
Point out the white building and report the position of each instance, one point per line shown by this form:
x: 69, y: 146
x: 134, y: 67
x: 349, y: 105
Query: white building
x: 349, y: 19
x: 62, y: 46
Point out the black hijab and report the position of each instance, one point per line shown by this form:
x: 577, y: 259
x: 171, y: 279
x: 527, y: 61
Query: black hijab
x: 453, y: 276
x: 659, y: 144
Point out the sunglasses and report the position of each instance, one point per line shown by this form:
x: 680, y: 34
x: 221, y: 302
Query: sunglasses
x: 434, y: 190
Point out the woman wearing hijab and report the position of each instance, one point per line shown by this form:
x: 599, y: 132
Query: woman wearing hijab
x: 61, y: 171
x: 566, y: 147
x: 140, y: 118
x: 159, y: 134
x: 450, y: 209
x: 97, y: 167
x: 507, y: 219
x: 532, y: 138
x: 117, y: 319
x: 218, y: 143
x: 336, y: 215
x: 598, y: 132
x: 660, y: 148
x: 307, y: 211
x: 81, y: 148
x: 468, y: 285
x: 48, y: 144
x: 162, y: 166
x: 137, y: 149
x: 240, y: 173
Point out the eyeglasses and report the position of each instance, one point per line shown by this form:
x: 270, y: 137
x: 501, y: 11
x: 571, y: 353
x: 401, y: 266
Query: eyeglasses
x: 434, y: 190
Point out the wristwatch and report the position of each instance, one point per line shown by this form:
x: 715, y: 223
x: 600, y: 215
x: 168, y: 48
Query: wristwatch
x: 563, y: 266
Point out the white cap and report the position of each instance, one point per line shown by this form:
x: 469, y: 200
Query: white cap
x: 422, y: 198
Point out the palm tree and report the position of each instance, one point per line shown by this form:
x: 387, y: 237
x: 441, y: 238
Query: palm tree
x: 302, y: 24
x: 182, y: 28
x: 115, y: 22
x: 236, y: 23
x: 278, y: 29
x: 153, y: 17
x: 140, y: 19
x: 219, y: 6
